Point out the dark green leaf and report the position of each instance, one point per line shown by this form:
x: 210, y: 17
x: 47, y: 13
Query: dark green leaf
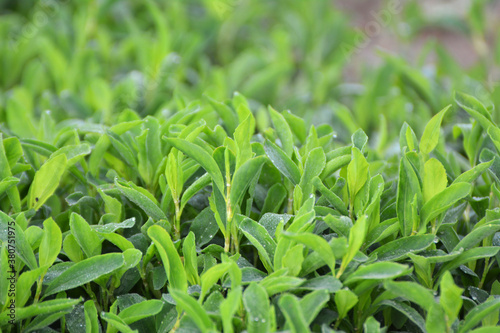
x: 93, y: 268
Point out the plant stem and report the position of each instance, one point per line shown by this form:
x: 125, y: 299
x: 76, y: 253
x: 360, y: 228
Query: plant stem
x: 229, y: 216
x: 177, y: 323
x: 92, y: 295
x: 337, y: 323
x: 38, y: 289
x: 485, y: 272
x: 177, y: 221
x: 145, y: 282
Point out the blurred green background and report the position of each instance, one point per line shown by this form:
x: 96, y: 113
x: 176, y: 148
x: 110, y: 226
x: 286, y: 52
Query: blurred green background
x: 350, y: 64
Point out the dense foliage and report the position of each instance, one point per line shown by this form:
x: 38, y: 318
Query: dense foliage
x: 139, y: 192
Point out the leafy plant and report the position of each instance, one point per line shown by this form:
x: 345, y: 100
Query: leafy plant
x: 151, y: 198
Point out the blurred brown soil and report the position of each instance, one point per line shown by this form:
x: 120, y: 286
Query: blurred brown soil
x: 391, y: 38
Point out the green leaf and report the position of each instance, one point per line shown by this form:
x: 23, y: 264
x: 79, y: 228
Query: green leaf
x: 315, y: 163
x: 487, y: 329
x: 399, y: 248
x: 408, y: 191
x: 141, y: 200
x: 6, y: 268
x: 229, y: 307
x: 345, y: 300
x: 297, y: 125
x: 486, y: 156
x: 435, y: 179
x: 382, y: 231
x: 24, y: 284
x: 475, y: 108
x: 116, y: 322
x: 131, y: 258
x: 423, y: 269
x: 293, y: 259
x: 141, y: 310
x: 73, y: 153
x: 408, y: 311
x: 325, y: 282
x: 451, y: 297
x: 204, y: 227
x: 341, y: 225
x: 112, y: 227
x: 86, y: 237
x: 282, y: 162
x: 121, y: 242
x: 274, y: 199
x: 435, y: 321
x: 260, y: 238
x: 283, y: 130
x: 359, y: 139
x: 243, y: 177
x: 210, y: 277
x: 13, y: 150
x: 407, y: 138
x: 242, y: 136
x: 378, y: 271
x: 468, y: 256
x: 46, y: 181
x: 41, y: 308
x: 471, y: 175
x: 443, y: 200
x: 7, y: 183
x: 228, y: 116
x: 357, y: 172
x: 478, y: 313
x: 312, y: 303
x: 290, y: 307
x: 9, y: 153
x: 315, y: 243
x: 190, y: 259
x: 371, y: 325
x: 171, y: 261
x: 194, y: 188
x: 356, y: 239
x: 112, y: 206
x: 91, y: 320
x: 202, y: 157
x: 174, y: 175
x: 43, y: 321
x: 8, y: 227
x: 335, y: 164
x: 430, y: 137
x: 153, y: 141
x: 476, y: 235
x: 412, y: 291
x: 332, y: 198
x: 94, y: 268
x: 494, y: 133
x: 125, y: 152
x: 97, y: 154
x: 256, y: 302
x: 50, y: 245
x: 277, y: 283
x: 193, y: 309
